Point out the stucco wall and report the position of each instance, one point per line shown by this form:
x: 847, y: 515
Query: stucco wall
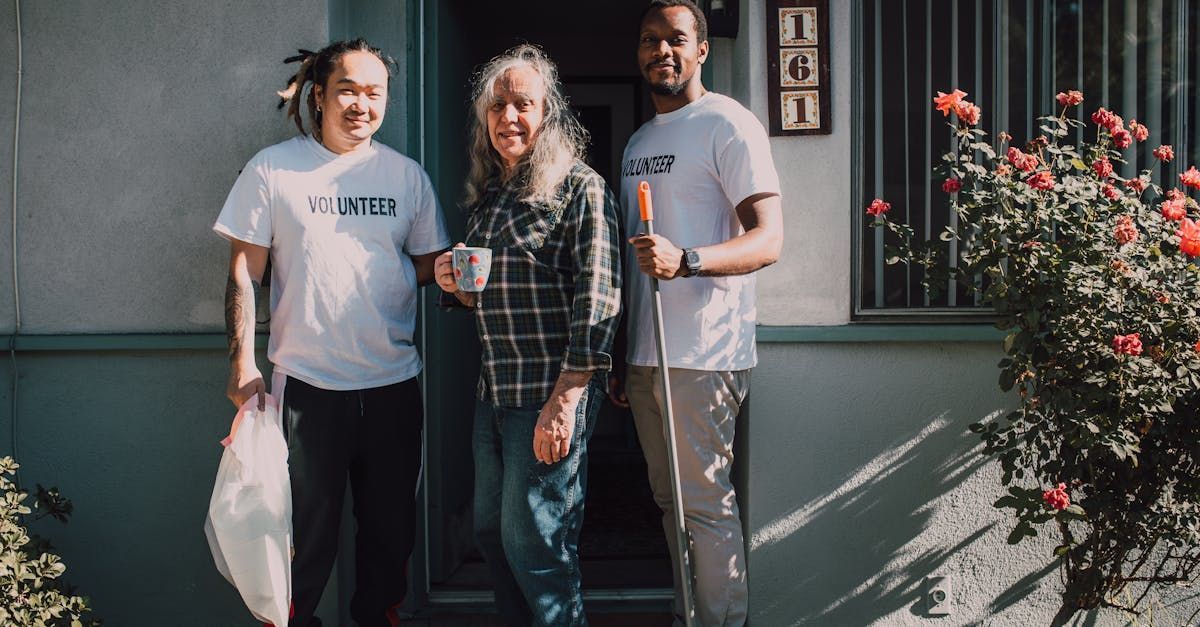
x: 810, y: 285
x: 137, y: 118
x: 864, y: 480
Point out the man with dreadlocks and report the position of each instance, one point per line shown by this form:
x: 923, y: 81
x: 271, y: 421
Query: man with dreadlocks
x: 351, y: 228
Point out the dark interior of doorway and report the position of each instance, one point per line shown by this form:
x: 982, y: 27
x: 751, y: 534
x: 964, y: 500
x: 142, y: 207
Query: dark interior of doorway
x: 621, y: 544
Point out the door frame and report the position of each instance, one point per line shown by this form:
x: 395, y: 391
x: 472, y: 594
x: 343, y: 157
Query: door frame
x: 424, y: 122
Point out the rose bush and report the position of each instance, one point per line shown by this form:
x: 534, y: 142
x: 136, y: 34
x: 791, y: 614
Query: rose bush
x: 1092, y: 277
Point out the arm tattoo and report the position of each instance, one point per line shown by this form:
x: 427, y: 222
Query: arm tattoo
x: 239, y: 314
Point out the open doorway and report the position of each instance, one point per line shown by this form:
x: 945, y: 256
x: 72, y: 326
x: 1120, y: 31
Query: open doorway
x: 624, y: 554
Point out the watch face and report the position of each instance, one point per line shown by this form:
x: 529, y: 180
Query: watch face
x: 693, y: 261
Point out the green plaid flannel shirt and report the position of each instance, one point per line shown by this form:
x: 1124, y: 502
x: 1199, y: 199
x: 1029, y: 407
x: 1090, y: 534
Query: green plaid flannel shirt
x: 553, y: 296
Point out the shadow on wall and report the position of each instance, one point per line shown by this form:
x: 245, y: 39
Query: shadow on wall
x: 875, y: 485
x: 874, y: 516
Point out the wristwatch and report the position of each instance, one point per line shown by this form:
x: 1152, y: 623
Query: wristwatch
x: 691, y: 260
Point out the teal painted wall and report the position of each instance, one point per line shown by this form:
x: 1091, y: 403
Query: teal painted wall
x: 133, y: 440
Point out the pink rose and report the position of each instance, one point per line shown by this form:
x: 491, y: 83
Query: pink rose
x: 1020, y: 160
x: 967, y: 112
x: 1056, y: 498
x: 951, y: 185
x: 1122, y: 138
x: 1174, y: 209
x: 1189, y: 237
x: 1069, y: 98
x: 1041, y: 180
x: 1191, y: 178
x: 1164, y: 153
x: 1138, y: 184
x: 1125, y: 231
x: 1110, y: 192
x: 1139, y: 131
x: 1102, y: 117
x: 1127, y: 344
x: 1103, y: 167
x: 878, y: 207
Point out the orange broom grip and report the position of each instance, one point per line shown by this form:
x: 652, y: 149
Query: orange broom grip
x: 645, y: 204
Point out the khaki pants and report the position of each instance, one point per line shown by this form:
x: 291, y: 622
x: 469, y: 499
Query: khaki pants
x: 705, y: 405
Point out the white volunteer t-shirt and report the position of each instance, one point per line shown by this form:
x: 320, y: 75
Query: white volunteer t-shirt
x: 701, y: 161
x: 341, y: 229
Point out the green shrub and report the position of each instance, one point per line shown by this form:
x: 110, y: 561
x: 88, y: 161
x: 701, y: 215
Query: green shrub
x: 31, y: 591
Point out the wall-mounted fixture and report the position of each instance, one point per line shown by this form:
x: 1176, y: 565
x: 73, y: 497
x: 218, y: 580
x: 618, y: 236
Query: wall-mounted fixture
x: 722, y: 17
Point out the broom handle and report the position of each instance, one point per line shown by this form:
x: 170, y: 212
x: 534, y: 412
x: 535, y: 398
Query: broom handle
x: 646, y: 207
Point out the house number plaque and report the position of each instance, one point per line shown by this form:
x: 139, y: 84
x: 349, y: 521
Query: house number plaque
x: 798, y: 67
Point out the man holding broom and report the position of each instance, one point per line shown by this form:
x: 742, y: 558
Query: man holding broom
x: 717, y: 219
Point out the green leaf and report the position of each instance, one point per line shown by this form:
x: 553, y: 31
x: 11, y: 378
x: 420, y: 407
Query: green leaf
x: 1009, y: 340
x: 1007, y: 501
x: 1075, y: 510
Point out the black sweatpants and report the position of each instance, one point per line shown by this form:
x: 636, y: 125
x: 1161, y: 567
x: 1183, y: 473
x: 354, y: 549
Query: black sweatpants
x: 374, y: 437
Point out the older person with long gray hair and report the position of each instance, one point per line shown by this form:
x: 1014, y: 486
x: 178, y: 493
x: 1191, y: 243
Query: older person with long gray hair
x: 546, y: 321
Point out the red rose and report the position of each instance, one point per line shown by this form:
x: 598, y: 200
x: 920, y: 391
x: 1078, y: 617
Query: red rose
x: 1164, y: 153
x: 1162, y: 298
x: 1103, y: 167
x: 1139, y: 131
x: 1041, y: 180
x: 948, y: 102
x: 1197, y: 346
x: 1138, y: 184
x: 1189, y: 237
x: 1125, y: 231
x: 967, y: 112
x: 1174, y: 209
x: 1056, y: 498
x: 1127, y: 344
x: 1122, y: 138
x: 951, y: 185
x: 1102, y: 117
x: 1069, y: 98
x: 1110, y: 192
x: 878, y: 207
x: 1190, y: 178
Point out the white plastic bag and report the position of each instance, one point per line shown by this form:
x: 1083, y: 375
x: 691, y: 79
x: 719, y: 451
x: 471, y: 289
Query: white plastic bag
x: 249, y: 524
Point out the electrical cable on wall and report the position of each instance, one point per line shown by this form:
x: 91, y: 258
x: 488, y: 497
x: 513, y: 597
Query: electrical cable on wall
x: 12, y: 339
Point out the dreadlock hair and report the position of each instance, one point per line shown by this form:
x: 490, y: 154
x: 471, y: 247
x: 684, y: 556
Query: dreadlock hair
x: 315, y: 68
x: 558, y: 142
x: 701, y: 21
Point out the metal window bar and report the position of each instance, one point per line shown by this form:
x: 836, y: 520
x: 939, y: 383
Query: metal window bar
x: 1156, y: 60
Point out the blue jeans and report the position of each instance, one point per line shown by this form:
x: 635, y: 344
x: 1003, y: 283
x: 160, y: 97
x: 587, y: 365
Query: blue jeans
x: 528, y: 514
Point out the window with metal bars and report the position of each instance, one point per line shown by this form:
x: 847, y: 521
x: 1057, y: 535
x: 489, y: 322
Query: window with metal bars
x: 1138, y: 58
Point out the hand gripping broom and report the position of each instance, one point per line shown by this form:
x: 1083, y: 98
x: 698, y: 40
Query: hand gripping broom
x: 646, y: 206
